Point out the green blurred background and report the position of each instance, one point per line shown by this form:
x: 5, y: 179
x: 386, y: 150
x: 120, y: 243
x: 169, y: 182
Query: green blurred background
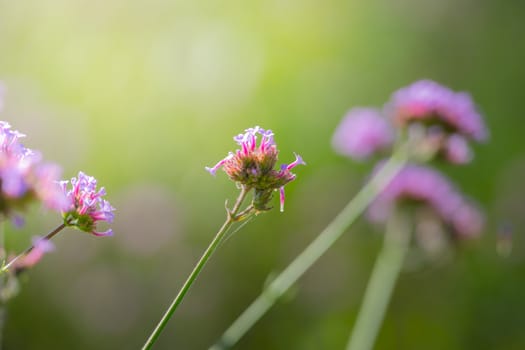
x: 144, y: 94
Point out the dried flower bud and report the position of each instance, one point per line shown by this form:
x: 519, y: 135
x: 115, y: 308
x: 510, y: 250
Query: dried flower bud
x: 253, y: 166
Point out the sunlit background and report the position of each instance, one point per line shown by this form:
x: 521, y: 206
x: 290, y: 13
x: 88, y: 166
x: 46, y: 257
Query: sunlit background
x: 144, y: 94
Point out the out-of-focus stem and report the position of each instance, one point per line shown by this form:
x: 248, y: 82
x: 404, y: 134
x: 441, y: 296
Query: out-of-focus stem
x: 382, y: 281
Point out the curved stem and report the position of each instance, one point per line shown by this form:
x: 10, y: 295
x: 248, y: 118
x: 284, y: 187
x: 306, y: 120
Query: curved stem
x: 232, y: 217
x: 381, y: 285
x: 28, y: 250
x: 314, y: 251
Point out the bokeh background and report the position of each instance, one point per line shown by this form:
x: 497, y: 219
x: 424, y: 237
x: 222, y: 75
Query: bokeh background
x: 144, y: 94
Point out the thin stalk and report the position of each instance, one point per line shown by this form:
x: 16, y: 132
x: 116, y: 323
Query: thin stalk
x: 246, y: 219
x: 28, y: 250
x: 314, y: 251
x: 381, y: 285
x: 3, y: 316
x: 3, y: 250
x: 232, y: 217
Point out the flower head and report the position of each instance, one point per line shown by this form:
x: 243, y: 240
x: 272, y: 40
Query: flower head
x: 86, y: 206
x: 23, y: 176
x: 424, y: 186
x: 253, y: 166
x: 362, y: 132
x: 428, y: 102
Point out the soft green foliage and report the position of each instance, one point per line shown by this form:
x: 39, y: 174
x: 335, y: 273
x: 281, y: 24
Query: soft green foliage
x: 144, y: 94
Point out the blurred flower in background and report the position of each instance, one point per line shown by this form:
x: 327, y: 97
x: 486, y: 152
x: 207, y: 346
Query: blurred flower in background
x: 440, y: 120
x: 362, y: 133
x: 419, y: 186
x: 418, y: 202
x: 430, y: 103
x: 24, y: 177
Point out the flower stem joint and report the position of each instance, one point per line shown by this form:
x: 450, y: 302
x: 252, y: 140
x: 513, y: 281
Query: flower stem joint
x: 252, y: 166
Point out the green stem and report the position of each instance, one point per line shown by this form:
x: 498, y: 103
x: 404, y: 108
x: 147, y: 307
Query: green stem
x: 313, y: 252
x: 381, y: 285
x: 231, y: 218
x: 3, y: 250
x: 28, y: 250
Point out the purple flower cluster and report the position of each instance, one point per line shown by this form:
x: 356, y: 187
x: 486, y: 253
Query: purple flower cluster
x: 253, y: 166
x: 428, y: 102
x: 25, y: 179
x: 362, y: 132
x: 86, y: 206
x: 23, y: 176
x: 439, y: 122
x: 424, y: 186
x: 456, y: 150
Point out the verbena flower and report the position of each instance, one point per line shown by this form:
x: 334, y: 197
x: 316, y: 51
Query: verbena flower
x: 23, y: 176
x: 428, y: 102
x: 253, y: 166
x: 86, y: 206
x: 362, y: 132
x: 418, y: 185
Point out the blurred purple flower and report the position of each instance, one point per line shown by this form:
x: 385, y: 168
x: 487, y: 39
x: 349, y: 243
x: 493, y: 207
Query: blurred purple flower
x: 430, y: 103
x: 253, y: 166
x: 23, y: 176
x: 86, y: 206
x: 467, y: 220
x: 456, y: 150
x: 41, y: 246
x: 362, y: 132
x: 424, y: 186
